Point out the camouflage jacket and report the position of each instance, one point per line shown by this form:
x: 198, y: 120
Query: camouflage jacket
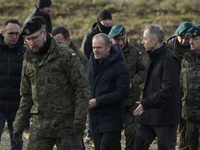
x: 190, y: 78
x: 55, y: 91
x: 79, y: 53
x: 174, y: 46
x: 134, y: 61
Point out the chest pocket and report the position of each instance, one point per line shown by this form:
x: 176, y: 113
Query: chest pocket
x: 30, y: 73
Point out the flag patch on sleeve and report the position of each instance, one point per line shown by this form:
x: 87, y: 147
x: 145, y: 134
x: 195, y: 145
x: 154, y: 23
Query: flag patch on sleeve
x: 73, y: 54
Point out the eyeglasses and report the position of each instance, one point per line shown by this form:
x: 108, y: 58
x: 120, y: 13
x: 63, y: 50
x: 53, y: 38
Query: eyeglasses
x: 33, y: 38
x: 13, y: 33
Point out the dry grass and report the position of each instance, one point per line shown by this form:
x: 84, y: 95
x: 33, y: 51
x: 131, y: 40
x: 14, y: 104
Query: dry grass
x: 79, y: 15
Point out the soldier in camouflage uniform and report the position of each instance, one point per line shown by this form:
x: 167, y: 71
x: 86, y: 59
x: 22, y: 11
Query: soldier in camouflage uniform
x: 190, y: 76
x: 62, y: 36
x: 179, y: 45
x: 54, y: 91
x: 134, y: 61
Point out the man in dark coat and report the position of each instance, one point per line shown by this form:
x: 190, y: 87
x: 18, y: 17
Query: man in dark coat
x: 11, y: 56
x: 159, y: 109
x: 109, y: 81
x: 103, y: 25
x: 43, y: 8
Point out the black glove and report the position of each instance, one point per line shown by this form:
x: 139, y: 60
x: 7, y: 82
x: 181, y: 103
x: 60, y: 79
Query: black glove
x: 78, y: 129
x: 16, y: 134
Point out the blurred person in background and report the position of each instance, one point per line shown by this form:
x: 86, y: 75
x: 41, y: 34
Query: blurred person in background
x: 62, y: 36
x: 103, y: 25
x: 42, y: 8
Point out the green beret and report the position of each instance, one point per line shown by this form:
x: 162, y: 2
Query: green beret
x: 182, y: 29
x: 194, y: 31
x: 32, y: 26
x: 116, y: 31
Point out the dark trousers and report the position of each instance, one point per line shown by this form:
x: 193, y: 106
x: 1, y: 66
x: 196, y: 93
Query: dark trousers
x: 10, y: 116
x: 105, y: 141
x: 146, y: 134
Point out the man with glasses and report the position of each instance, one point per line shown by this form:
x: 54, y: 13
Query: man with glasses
x: 11, y: 56
x: 54, y: 90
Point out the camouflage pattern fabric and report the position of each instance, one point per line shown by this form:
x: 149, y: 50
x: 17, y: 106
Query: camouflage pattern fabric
x: 190, y: 77
x: 178, y: 50
x: 183, y: 133
x: 192, y: 139
x: 130, y: 127
x: 134, y: 61
x: 79, y: 53
x: 55, y: 92
x: 64, y: 142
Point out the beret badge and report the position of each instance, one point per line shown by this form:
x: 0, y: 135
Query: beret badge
x: 27, y: 31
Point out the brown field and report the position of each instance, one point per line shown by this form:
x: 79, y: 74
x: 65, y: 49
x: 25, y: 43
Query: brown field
x: 79, y: 15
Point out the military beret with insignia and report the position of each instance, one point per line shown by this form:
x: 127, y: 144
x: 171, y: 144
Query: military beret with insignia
x: 183, y: 28
x: 117, y: 31
x: 32, y: 26
x: 194, y: 31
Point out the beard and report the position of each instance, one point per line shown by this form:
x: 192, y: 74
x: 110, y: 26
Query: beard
x: 35, y: 49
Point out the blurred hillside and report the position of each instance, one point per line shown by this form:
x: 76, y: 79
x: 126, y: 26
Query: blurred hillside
x: 79, y: 15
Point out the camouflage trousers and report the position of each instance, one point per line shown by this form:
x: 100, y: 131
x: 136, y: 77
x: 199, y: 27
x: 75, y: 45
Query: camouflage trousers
x: 130, y: 128
x: 191, y: 137
x: 175, y: 137
x: 67, y: 142
x: 182, y: 131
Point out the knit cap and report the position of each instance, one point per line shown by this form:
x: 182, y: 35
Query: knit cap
x: 104, y: 14
x: 43, y: 3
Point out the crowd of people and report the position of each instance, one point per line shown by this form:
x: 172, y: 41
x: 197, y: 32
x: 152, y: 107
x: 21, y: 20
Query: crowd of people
x: 47, y: 82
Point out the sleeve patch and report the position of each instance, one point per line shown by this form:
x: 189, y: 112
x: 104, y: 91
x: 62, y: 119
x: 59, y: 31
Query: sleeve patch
x: 73, y: 54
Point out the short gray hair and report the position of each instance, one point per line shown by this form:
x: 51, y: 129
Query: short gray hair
x: 104, y: 36
x: 156, y: 31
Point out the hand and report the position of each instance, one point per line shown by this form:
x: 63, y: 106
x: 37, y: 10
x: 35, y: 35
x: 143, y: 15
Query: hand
x: 139, y: 110
x: 131, y: 86
x: 92, y: 103
x: 78, y: 129
x: 16, y: 134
